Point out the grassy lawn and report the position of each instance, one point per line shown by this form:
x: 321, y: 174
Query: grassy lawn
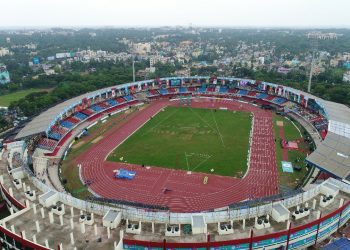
x: 290, y: 180
x: 5, y: 100
x: 191, y: 139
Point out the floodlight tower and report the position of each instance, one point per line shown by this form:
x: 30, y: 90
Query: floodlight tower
x: 314, y: 47
x: 133, y: 68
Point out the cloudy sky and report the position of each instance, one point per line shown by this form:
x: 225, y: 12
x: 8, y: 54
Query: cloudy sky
x: 234, y: 13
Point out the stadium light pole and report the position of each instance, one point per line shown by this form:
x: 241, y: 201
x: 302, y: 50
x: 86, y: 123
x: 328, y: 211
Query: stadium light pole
x: 133, y: 68
x: 311, y: 71
x: 314, y: 46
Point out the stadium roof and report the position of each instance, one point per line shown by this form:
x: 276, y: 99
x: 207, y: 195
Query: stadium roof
x: 333, y: 155
x: 45, y: 120
x: 41, y: 123
x: 336, y: 111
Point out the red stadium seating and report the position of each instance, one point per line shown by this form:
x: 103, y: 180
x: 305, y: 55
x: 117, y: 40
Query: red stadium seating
x: 270, y: 97
x: 72, y: 120
x: 47, y: 144
x: 120, y: 99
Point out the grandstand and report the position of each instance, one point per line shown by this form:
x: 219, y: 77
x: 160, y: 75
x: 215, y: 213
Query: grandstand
x: 170, y: 209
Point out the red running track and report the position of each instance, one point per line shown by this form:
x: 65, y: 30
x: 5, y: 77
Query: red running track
x: 188, y: 193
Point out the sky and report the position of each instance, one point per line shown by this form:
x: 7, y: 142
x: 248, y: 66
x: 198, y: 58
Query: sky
x: 121, y: 13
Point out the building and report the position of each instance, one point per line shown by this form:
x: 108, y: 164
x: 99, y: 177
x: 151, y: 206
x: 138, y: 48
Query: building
x: 142, y: 48
x: 197, y: 52
x: 156, y: 59
x: 4, y: 52
x: 346, y: 77
x: 4, y: 75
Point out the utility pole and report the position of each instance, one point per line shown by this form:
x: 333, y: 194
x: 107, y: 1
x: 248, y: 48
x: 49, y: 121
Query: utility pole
x: 311, y: 71
x: 314, y: 45
x: 133, y: 68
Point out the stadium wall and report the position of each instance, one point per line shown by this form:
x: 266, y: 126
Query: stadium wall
x: 293, y: 238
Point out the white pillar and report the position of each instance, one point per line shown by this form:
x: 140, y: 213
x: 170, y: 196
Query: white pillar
x: 37, y: 226
x: 243, y: 225
x: 34, y: 208
x: 61, y: 219
x: 47, y: 243
x: 27, y: 203
x: 13, y: 229
x: 108, y: 232
x: 1, y: 179
x: 82, y: 227
x: 71, y: 223
x: 63, y: 208
x: 314, y: 204
x: 72, y: 211
x: 95, y: 229
x: 121, y: 234
x: 72, y: 238
x: 42, y: 212
x: 24, y: 186
x: 11, y: 210
x: 34, y: 238
x: 24, y: 234
x: 115, y: 245
x: 51, y: 217
x: 152, y: 227
x: 11, y: 191
x: 341, y: 202
x: 288, y: 223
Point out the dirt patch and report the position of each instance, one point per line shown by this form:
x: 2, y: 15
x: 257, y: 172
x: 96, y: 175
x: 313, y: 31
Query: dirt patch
x: 97, y: 139
x: 77, y: 145
x: 128, y: 111
x: 279, y: 123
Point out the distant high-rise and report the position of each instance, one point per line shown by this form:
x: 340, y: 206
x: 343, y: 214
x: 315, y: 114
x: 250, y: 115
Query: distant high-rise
x: 4, y: 75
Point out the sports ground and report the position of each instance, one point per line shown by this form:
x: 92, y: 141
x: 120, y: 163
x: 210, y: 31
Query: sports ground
x: 187, y: 190
x: 191, y: 139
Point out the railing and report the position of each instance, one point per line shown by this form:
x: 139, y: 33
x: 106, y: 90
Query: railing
x: 152, y: 215
x: 293, y: 238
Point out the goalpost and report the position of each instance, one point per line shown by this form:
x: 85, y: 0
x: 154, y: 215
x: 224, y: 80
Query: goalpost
x: 185, y: 100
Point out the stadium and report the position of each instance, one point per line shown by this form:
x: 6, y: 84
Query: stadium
x: 179, y: 163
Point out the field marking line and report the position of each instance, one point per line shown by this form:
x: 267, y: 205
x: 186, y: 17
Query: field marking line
x: 217, y: 128
x: 198, y: 165
x: 188, y: 168
x: 160, y: 122
x: 202, y: 120
x: 131, y: 133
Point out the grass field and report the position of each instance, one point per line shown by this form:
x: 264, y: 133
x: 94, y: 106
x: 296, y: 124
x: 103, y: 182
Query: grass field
x: 289, y: 180
x: 190, y: 139
x: 5, y: 100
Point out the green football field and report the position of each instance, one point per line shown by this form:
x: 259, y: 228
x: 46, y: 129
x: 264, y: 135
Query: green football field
x: 199, y: 140
x: 5, y: 100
